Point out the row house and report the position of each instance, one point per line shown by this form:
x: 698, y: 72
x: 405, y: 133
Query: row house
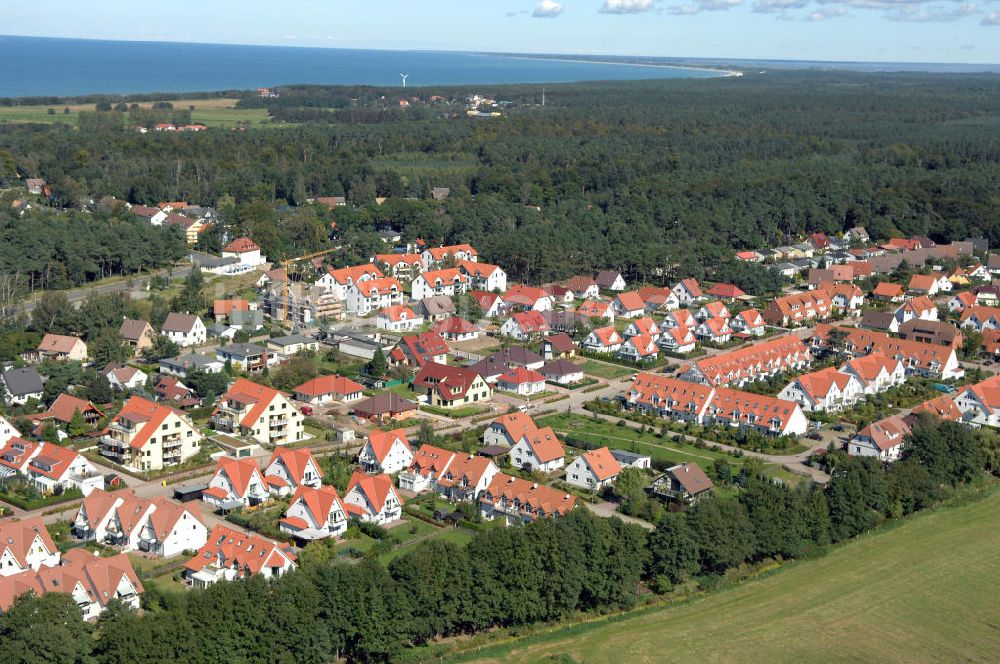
x: 315, y: 513
x: 149, y: 436
x: 876, y: 372
x: 445, y: 386
x: 338, y: 282
x: 229, y: 555
x: 386, y: 452
x: 684, y: 401
x: 484, y: 277
x: 883, y: 439
x: 259, y: 412
x: 373, y: 498
x: 751, y: 363
x: 371, y: 295
x: 466, y: 478
x: 980, y: 318
x: 825, y: 390
x: 516, y: 501
x: 157, y: 526
x: 91, y: 580
x: 508, y: 429
x: 434, y: 257
x: 25, y: 545
x: 593, y: 470
x: 429, y: 463
x: 711, y: 310
x: 714, y: 330
x: 416, y: 350
x: 798, y: 308
x: 918, y: 358
x: 449, y: 282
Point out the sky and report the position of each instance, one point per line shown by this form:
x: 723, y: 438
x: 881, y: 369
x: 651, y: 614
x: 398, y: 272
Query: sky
x: 948, y: 31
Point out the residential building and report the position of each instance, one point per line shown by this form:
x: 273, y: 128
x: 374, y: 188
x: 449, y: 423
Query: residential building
x: 713, y: 330
x: 158, y: 526
x: 62, y: 348
x: 583, y: 287
x: 497, y: 364
x: 290, y: 469
x: 980, y: 403
x: 449, y: 282
x: 484, y: 277
x: 386, y: 452
x: 398, y: 318
x: 290, y: 344
x: 923, y: 284
x: 457, y: 329
x: 824, y: 390
x: 236, y: 483
x: 445, y: 386
x: 883, y: 439
x: 751, y: 363
x: 980, y: 318
x: 798, y: 308
x: 517, y: 501
x: 931, y: 332
x: 364, y: 297
x: 246, y: 250
x: 603, y: 340
x: 847, y: 297
x: 524, y: 325
x: 182, y: 365
x: 711, y: 310
x: 919, y: 308
x: 726, y: 291
x: 436, y: 308
x: 416, y: 350
x: 302, y: 303
x: 21, y: 385
x: 249, y: 358
x: 888, y: 292
x: 7, y: 431
x: 385, y: 406
x: 52, y: 468
x: 125, y: 378
x: 314, y: 513
x: 437, y: 256
x: 184, y: 329
x: 508, y: 429
x: 748, y: 321
x: 491, y: 304
x: 928, y: 360
x: 521, y: 381
x: 229, y: 555
x: 558, y: 346
x: 259, y: 412
x: 25, y: 545
x: 562, y: 372
x: 611, y: 280
x: 684, y: 483
x: 373, y: 498
x: 528, y: 298
x: 677, y: 339
x: 428, y: 464
x: 538, y: 450
x: 149, y: 436
x: 329, y: 389
x: 961, y: 301
x: 688, y: 291
x: 876, y: 372
x: 628, y: 305
x: 644, y: 325
x: 466, y: 478
x: 401, y: 266
x: 640, y: 348
x: 337, y: 282
x: 138, y: 334
x: 593, y: 470
x: 596, y: 309
x: 628, y: 459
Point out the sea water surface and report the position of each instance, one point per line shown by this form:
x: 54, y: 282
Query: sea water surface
x: 42, y: 66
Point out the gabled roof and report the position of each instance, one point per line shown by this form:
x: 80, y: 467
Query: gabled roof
x: 381, y: 442
x: 530, y: 321
x: 353, y: 274
x: 53, y: 461
x: 378, y: 286
x: 630, y: 301
x: 450, y: 382
x: 376, y: 488
x: 439, y: 253
x: 18, y: 535
x: 726, y: 290
x: 58, y: 343
x: 239, y: 471
x: 179, y: 322
x: 819, y: 383
x: 132, y: 330
x: 295, y: 461
x: 922, y: 282
x: 522, y: 376
x: 561, y: 342
x: 146, y: 414
x: 431, y: 459
x: 886, y: 433
x: 64, y: 407
x: 386, y: 403
x: 420, y: 348
x: 868, y: 367
x: 397, y: 312
x: 516, y: 424
x: 691, y: 477
x: 692, y: 287
x: 525, y: 296
x: 885, y: 289
x: 235, y: 550
x: 474, y: 269
x: 23, y: 381
x: 607, y: 336
x: 593, y: 308
x: 248, y: 392
x: 470, y: 467
x: 319, y: 502
x: 748, y: 360
x: 560, y: 367
x: 393, y: 260
x: 602, y: 464
x: 530, y: 495
x: 226, y: 307
x: 451, y: 275
x: 942, y: 407
x: 167, y: 514
x: 544, y: 444
x: 456, y: 325
x: 241, y: 245
x: 607, y: 278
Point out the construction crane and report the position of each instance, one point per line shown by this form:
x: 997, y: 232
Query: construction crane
x: 284, y: 266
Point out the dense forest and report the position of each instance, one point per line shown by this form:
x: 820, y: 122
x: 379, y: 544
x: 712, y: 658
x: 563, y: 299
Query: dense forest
x: 505, y: 577
x: 650, y: 177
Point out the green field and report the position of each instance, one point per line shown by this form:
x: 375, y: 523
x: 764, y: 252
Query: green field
x: 209, y: 112
x: 925, y: 591
x: 602, y: 370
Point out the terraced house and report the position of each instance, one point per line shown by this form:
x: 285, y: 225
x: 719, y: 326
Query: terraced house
x: 259, y: 412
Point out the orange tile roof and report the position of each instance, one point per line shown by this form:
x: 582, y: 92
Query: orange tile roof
x: 18, y: 535
x: 819, y: 383
x: 630, y: 301
x: 235, y: 550
x: 397, y: 312
x: 593, y: 308
x: 469, y: 467
x: 545, y: 444
x: 439, y: 253
x: 295, y: 461
x: 529, y: 495
x: 241, y: 245
x: 751, y: 360
x: 332, y: 384
x: 516, y: 424
x: 353, y: 274
x: 602, y: 463
x: 65, y: 406
x: 885, y: 289
x: 868, y: 367
x: 377, y: 488
x: 247, y: 391
x: 319, y: 501
x: 145, y: 413
x: 608, y: 336
x: 886, y: 433
x: 520, y: 376
x: 58, y: 343
x: 431, y: 459
x: 239, y: 471
x: 381, y: 442
x: 392, y: 260
x: 53, y: 460
x: 226, y: 307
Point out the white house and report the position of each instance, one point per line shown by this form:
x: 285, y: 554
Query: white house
x: 429, y: 463
x: 538, y: 450
x: 678, y: 339
x: 364, y: 297
x: 246, y: 250
x: 882, y: 439
x: 49, y: 467
x: 7, y: 431
x: 639, y: 348
x: 714, y: 330
x: 484, y: 277
x: 386, y: 452
x: 185, y: 329
x: 507, y: 429
x: 980, y: 403
x: 450, y: 282
x: 290, y: 469
x: 229, y: 554
x: 521, y: 381
x: 236, y: 483
x: 644, y: 325
x: 157, y: 526
x: 467, y: 478
x: 824, y: 390
x: 315, y: 513
x: 125, y: 378
x: 524, y: 325
x: 688, y: 291
x: 629, y: 305
x: 398, y: 318
x: 373, y: 498
x: 748, y: 321
x: 339, y: 281
x: 876, y: 372
x: 329, y: 389
x: 25, y: 544
x: 593, y: 470
x: 603, y: 340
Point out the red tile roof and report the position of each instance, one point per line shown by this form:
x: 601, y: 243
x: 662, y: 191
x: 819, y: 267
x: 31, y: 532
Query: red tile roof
x: 239, y: 471
x: 245, y: 552
x: 377, y: 488
x: 530, y: 496
x: 602, y: 463
x: 241, y: 245
x: 329, y: 385
x: 545, y: 444
x: 295, y: 461
x: 726, y: 290
x: 381, y: 442
x: 146, y: 414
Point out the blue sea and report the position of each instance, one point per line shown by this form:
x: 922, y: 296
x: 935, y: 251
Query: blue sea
x: 40, y: 66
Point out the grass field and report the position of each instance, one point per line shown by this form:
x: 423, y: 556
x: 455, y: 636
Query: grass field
x: 925, y: 591
x: 602, y: 370
x: 209, y: 112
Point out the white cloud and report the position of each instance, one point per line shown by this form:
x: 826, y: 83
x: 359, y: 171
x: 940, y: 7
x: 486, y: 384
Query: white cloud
x: 703, y: 6
x: 767, y: 6
x: 933, y: 14
x: 993, y: 18
x: 626, y: 6
x: 825, y: 13
x: 547, y: 9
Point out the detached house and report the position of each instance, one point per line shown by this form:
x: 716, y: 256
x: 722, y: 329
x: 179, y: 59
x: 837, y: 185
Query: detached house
x: 882, y: 439
x: 449, y: 387
x: 386, y: 452
x: 185, y: 329
x: 260, y: 412
x: 457, y: 329
x: 714, y: 330
x: 593, y: 470
x: 428, y: 464
x: 888, y: 292
x: 629, y: 305
x: 373, y: 498
x: 639, y: 348
x: 229, y: 555
x: 466, y: 478
x: 603, y: 340
x: 559, y: 345
x: 611, y: 280
x: 748, y: 322
x: 824, y: 390
x: 524, y: 325
x: 684, y: 483
x: 528, y: 298
x: 508, y: 429
x: 329, y: 389
x: 315, y: 513
x: 521, y: 381
x: 21, y: 385
x: 138, y: 334
x: 980, y: 403
x: 645, y: 325
x: 290, y: 469
x: 62, y: 348
x: 398, y: 318
x: 149, y: 436
x: 598, y: 309
x: 236, y: 483
x: 688, y: 291
x: 450, y: 282
x: 678, y: 339
x: 538, y: 450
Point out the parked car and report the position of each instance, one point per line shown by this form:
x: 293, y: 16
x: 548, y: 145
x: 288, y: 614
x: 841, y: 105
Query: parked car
x: 306, y: 410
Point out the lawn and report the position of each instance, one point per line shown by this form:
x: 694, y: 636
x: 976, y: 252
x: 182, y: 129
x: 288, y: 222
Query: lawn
x: 602, y: 370
x: 209, y: 112
x: 606, y: 433
x: 459, y: 536
x: 925, y: 592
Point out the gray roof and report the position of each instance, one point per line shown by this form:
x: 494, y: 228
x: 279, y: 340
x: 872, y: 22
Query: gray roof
x: 626, y: 457
x: 209, y: 261
x: 241, y: 350
x: 189, y: 362
x: 503, y: 360
x: 291, y: 339
x: 560, y: 367
x: 255, y: 317
x: 877, y: 320
x: 436, y: 305
x: 20, y: 382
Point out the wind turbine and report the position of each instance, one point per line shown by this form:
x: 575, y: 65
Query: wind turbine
x: 403, y: 76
